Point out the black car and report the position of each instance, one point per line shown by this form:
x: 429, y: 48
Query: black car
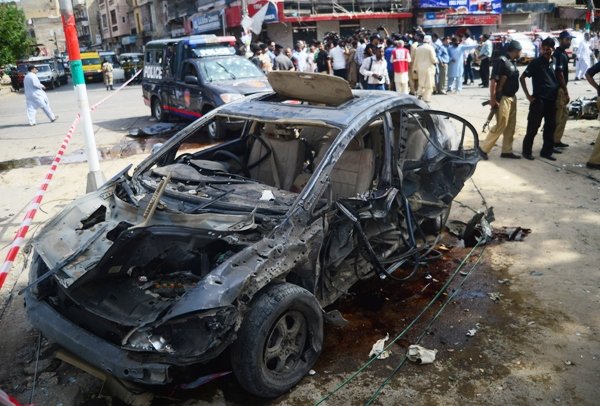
x: 243, y: 245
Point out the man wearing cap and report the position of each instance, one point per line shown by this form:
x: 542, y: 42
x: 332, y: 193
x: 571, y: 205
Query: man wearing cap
x: 400, y: 61
x: 562, y: 75
x: 504, y: 85
x: 424, y: 66
x: 35, y: 97
x: 542, y: 102
x: 594, y: 160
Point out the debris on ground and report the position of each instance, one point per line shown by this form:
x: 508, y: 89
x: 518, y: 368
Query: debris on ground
x: 160, y: 129
x: 504, y: 281
x: 378, y: 348
x: 583, y: 107
x: 312, y: 372
x: 421, y: 355
x: 477, y: 229
x: 495, y: 296
x: 511, y: 233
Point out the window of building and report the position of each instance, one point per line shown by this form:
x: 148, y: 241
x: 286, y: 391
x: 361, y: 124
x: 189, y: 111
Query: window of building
x: 347, y: 29
x: 123, y: 19
x: 113, y: 17
x: 306, y: 32
x: 104, y: 21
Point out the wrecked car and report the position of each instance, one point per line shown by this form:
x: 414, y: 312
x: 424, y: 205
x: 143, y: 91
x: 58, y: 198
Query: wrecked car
x: 241, y: 246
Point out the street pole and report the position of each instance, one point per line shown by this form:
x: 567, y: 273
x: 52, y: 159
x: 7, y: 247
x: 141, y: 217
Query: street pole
x: 95, y: 177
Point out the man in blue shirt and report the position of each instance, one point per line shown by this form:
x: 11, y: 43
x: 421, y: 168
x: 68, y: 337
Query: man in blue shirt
x: 441, y: 51
x: 542, y: 102
x: 485, y: 55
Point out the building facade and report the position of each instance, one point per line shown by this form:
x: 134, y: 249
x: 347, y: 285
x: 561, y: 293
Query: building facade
x: 87, y: 21
x: 44, y: 25
x: 116, y: 24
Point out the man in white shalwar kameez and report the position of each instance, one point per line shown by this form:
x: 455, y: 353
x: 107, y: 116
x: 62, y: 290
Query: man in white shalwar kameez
x: 584, y: 57
x: 35, y: 97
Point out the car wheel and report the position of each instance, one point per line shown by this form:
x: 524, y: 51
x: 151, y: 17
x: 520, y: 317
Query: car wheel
x: 51, y: 85
x: 279, y: 341
x: 216, y: 131
x: 157, y: 110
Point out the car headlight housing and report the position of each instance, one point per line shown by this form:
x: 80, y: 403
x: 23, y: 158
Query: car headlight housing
x: 229, y: 97
x: 187, y: 336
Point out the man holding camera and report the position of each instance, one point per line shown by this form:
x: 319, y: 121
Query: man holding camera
x: 504, y: 85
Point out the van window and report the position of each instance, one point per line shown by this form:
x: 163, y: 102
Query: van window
x: 90, y: 61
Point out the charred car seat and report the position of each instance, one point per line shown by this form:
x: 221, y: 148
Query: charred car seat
x: 277, y: 158
x: 354, y: 171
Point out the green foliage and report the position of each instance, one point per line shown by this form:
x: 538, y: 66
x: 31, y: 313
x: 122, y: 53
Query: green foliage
x: 14, y: 41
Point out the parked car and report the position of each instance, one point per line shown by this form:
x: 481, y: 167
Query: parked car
x: 118, y: 71
x: 47, y: 75
x: 92, y: 66
x: 241, y: 246
x: 528, y: 49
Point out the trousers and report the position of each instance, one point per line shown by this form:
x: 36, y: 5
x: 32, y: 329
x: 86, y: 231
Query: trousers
x: 401, y: 82
x: 426, y: 83
x: 442, y: 77
x: 540, y: 109
x: 484, y: 72
x: 506, y: 120
x: 562, y: 113
x: 32, y: 111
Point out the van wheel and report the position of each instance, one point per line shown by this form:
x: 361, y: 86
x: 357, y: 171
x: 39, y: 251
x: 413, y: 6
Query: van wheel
x: 51, y: 85
x: 279, y: 341
x: 157, y: 110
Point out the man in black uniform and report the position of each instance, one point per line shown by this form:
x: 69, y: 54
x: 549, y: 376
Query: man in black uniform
x: 562, y: 75
x: 503, y: 87
x: 542, y: 103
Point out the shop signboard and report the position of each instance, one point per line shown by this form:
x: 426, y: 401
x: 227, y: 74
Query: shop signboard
x: 208, y: 22
x: 457, y: 20
x: 465, y: 6
x: 272, y: 15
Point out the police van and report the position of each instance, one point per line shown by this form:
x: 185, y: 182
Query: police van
x: 187, y: 77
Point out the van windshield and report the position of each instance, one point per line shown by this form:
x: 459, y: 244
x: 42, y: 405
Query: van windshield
x: 221, y: 69
x: 43, y: 68
x: 90, y: 61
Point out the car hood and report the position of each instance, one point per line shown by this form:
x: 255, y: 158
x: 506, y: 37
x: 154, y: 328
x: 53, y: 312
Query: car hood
x: 242, y: 86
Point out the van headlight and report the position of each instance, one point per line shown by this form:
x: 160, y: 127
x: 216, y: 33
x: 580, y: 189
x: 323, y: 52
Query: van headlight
x: 229, y: 97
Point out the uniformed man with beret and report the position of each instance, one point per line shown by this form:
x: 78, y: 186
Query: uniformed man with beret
x: 504, y: 85
x: 542, y: 101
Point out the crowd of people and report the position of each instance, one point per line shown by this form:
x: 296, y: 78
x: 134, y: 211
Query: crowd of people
x: 422, y: 65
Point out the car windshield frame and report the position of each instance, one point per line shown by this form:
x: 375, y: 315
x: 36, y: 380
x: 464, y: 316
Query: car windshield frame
x: 90, y: 61
x: 43, y: 68
x: 224, y: 69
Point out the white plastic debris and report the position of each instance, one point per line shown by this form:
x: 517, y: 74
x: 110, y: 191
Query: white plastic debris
x: 378, y: 348
x: 495, y: 296
x: 421, y: 355
x: 312, y: 372
x: 472, y: 332
x: 267, y: 195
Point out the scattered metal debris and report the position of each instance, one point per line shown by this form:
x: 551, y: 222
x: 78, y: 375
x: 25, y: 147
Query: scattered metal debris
x: 471, y: 332
x: 504, y: 281
x: 378, y: 348
x: 312, y: 372
x: 421, y: 355
x: 495, y: 296
x: 583, y: 107
x: 511, y: 233
x: 159, y: 129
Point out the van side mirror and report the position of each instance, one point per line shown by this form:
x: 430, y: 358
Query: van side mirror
x: 191, y: 80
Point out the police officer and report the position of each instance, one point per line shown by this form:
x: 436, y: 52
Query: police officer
x: 562, y: 74
x: 504, y: 85
x: 594, y: 160
x: 542, y: 102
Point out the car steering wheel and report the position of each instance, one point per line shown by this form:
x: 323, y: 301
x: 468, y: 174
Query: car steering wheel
x: 234, y: 158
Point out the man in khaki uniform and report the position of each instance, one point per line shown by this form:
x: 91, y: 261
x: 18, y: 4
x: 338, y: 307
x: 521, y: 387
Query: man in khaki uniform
x: 562, y: 74
x: 594, y: 161
x: 504, y: 85
x: 424, y: 66
x: 107, y: 72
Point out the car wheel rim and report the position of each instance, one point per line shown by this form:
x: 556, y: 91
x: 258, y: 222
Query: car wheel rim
x: 157, y: 110
x: 212, y: 130
x: 286, y: 343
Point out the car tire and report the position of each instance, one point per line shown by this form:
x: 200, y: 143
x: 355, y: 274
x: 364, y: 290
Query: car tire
x: 279, y: 341
x: 157, y: 111
x: 216, y: 130
x: 51, y: 85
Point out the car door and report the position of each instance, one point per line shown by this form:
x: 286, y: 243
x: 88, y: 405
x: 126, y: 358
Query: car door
x: 187, y: 94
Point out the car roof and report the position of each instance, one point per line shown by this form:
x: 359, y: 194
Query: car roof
x: 270, y: 107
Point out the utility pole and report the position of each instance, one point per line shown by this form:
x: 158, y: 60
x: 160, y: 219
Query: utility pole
x: 95, y: 177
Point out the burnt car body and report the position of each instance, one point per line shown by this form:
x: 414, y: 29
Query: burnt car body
x: 243, y: 244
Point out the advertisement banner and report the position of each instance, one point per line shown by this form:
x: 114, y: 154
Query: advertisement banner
x: 431, y: 20
x: 457, y: 20
x: 202, y: 23
x: 465, y: 6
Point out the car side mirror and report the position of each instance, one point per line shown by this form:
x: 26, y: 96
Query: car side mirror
x: 191, y: 80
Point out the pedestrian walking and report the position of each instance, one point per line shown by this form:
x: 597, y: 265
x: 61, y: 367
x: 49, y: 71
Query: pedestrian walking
x: 594, y: 160
x: 485, y: 56
x: 424, y: 66
x: 503, y: 90
x: 35, y: 96
x: 562, y: 75
x: 323, y: 60
x: 584, y: 57
x: 374, y: 69
x: 107, y: 74
x: 542, y: 102
x: 400, y: 61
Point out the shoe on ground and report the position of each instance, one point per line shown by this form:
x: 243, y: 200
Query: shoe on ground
x: 528, y: 156
x: 483, y: 155
x: 510, y: 155
x: 55, y: 118
x: 32, y: 124
x: 548, y: 157
x: 560, y: 145
x: 592, y: 166
x: 557, y: 151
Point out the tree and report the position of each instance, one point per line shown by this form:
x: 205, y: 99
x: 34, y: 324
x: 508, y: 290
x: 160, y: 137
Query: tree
x: 14, y: 41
